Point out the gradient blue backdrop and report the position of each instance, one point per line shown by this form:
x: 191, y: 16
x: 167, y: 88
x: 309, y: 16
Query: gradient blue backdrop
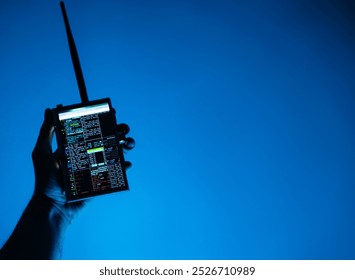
x: 243, y: 114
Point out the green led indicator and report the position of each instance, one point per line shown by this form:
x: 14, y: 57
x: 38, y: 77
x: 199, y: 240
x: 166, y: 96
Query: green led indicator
x: 95, y: 150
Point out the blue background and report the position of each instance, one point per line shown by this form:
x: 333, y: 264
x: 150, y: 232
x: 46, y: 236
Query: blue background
x: 243, y: 114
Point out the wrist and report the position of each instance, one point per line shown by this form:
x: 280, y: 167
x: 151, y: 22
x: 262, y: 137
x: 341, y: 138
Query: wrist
x: 56, y: 212
x: 39, y: 233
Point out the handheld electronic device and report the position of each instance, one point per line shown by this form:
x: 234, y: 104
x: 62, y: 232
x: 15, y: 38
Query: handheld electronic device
x: 92, y: 158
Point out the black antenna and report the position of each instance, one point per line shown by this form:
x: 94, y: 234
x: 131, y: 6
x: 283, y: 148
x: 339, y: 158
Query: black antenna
x: 75, y: 57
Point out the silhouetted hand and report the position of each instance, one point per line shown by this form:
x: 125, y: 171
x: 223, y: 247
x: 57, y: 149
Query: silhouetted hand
x: 40, y: 231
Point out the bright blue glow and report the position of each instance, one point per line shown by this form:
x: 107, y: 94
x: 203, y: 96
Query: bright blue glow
x: 243, y: 113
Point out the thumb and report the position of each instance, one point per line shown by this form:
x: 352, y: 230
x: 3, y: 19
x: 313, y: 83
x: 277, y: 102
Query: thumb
x: 44, y: 141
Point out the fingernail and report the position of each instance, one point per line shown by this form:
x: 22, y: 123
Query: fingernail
x: 48, y: 116
x: 48, y: 113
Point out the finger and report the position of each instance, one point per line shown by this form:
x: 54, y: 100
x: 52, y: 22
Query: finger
x: 128, y: 164
x: 44, y: 141
x: 123, y: 128
x: 58, y: 158
x: 128, y: 143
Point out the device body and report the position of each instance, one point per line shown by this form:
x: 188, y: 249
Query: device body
x: 92, y: 160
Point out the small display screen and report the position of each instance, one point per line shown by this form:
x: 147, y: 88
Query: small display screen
x: 93, y: 157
